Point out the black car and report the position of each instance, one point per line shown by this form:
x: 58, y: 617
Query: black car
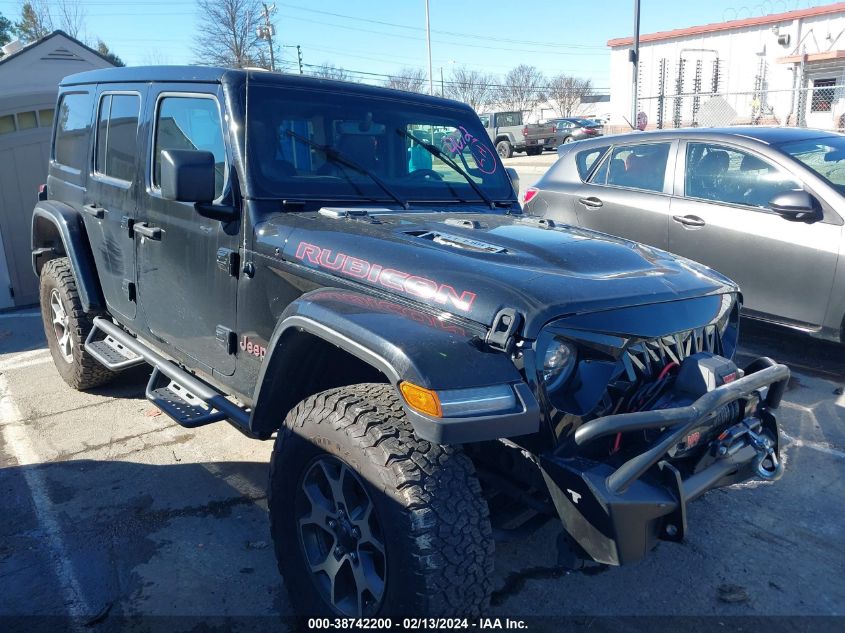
x: 299, y: 258
x: 573, y: 129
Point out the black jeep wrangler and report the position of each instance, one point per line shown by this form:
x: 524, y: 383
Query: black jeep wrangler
x: 298, y: 257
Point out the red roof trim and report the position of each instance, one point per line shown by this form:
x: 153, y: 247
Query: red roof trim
x: 839, y: 7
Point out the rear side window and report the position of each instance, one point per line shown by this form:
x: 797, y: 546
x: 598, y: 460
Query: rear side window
x: 117, y: 136
x: 587, y: 159
x: 74, y: 124
x: 190, y: 123
x: 640, y: 166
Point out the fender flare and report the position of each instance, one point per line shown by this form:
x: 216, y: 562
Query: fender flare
x: 401, y: 342
x: 67, y: 223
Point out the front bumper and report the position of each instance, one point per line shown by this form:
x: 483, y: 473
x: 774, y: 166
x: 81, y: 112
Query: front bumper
x: 617, y: 514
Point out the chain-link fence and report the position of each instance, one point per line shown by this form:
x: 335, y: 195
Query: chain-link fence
x: 822, y: 106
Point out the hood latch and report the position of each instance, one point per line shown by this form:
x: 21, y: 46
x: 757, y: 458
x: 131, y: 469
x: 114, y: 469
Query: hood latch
x: 502, y: 335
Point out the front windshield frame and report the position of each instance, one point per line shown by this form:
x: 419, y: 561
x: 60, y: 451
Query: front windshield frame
x: 325, y: 115
x: 801, y: 150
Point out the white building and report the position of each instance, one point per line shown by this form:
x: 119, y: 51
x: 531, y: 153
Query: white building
x: 29, y: 84
x: 780, y: 69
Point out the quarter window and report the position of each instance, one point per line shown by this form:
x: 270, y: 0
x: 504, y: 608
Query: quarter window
x: 586, y: 160
x: 727, y: 175
x: 635, y: 167
x: 190, y: 123
x: 71, y: 144
x: 117, y: 136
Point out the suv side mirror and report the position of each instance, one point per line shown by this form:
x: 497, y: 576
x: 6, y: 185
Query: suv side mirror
x: 514, y: 176
x: 796, y: 206
x: 187, y: 175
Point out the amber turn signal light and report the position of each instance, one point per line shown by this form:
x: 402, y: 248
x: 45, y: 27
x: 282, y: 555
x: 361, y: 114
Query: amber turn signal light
x: 421, y: 399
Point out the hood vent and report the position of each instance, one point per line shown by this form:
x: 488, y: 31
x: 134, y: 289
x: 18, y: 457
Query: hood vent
x: 457, y: 241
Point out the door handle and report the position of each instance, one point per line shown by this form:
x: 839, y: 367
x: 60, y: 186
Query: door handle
x: 150, y: 232
x: 591, y: 203
x: 94, y: 210
x: 692, y: 221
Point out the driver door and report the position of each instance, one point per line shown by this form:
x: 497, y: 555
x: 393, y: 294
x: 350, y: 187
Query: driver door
x: 720, y: 217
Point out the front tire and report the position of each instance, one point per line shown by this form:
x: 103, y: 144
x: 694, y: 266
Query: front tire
x: 66, y: 326
x: 504, y: 149
x: 368, y: 520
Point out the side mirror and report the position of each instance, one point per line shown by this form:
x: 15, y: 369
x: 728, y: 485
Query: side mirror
x: 796, y: 206
x: 187, y: 175
x: 514, y: 176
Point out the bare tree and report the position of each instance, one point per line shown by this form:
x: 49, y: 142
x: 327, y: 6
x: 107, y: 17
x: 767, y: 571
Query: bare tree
x: 471, y: 87
x: 522, y: 89
x: 566, y: 91
x: 227, y: 36
x: 330, y: 71
x: 70, y: 17
x: 408, y: 79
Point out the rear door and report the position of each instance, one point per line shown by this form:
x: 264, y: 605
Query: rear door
x: 629, y: 194
x: 110, y: 202
x: 188, y: 264
x: 720, y: 217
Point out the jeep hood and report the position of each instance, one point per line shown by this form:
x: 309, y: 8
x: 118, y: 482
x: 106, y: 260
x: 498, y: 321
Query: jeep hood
x: 474, y: 264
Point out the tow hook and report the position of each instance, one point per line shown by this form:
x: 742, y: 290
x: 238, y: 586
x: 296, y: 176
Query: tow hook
x: 765, y: 448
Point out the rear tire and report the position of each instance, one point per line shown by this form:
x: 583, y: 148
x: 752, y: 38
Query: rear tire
x: 504, y: 149
x: 395, y: 525
x: 568, y: 139
x: 66, y: 326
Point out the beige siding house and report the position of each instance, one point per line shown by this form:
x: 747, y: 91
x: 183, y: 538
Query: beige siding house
x: 29, y: 79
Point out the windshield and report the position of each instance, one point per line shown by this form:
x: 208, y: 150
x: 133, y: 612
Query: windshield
x: 305, y: 144
x: 825, y: 156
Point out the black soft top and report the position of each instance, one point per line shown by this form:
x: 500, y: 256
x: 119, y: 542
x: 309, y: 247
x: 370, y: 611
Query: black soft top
x: 210, y: 74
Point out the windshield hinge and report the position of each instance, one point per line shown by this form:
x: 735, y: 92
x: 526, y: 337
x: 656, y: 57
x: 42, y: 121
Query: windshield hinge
x: 502, y: 335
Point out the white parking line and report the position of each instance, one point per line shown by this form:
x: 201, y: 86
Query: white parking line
x: 20, y: 315
x: 25, y: 359
x: 816, y: 446
x: 18, y: 443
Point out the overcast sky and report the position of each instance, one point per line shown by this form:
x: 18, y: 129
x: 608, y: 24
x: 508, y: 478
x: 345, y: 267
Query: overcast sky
x: 381, y: 36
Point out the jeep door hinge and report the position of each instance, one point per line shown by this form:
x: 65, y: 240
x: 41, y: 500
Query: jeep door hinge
x: 228, y: 261
x: 502, y: 335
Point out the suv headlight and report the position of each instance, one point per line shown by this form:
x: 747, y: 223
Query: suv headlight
x: 558, y: 362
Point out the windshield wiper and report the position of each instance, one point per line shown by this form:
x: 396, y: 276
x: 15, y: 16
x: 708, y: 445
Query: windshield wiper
x: 338, y: 157
x: 434, y: 151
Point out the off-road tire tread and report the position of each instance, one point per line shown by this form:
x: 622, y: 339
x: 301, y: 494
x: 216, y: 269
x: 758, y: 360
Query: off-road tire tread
x: 450, y: 533
x: 87, y: 372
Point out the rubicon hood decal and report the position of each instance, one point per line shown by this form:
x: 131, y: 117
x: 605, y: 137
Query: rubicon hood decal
x: 391, y: 278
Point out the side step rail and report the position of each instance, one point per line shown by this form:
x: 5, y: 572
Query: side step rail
x: 184, y: 398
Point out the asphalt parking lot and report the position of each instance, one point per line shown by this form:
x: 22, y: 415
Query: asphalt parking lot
x: 111, y: 510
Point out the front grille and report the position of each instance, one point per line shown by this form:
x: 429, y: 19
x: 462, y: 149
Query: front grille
x: 645, y: 359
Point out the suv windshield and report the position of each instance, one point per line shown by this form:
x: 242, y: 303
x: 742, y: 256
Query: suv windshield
x: 825, y: 156
x: 304, y: 144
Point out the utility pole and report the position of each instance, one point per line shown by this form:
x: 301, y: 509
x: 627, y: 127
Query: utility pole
x: 634, y: 58
x: 428, y: 47
x: 299, y: 57
x: 267, y: 31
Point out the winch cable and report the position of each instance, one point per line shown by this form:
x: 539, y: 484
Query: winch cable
x: 647, y: 395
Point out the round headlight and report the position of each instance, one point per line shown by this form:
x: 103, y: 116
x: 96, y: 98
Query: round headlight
x: 558, y: 363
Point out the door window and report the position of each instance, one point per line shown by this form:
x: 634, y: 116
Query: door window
x: 635, y: 167
x: 71, y: 142
x: 727, y: 175
x: 117, y: 136
x: 190, y: 123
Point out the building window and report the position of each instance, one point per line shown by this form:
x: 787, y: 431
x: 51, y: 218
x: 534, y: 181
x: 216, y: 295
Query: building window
x: 7, y: 124
x: 823, y: 90
x: 27, y: 120
x: 45, y: 118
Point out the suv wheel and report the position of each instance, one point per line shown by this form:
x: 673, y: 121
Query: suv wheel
x: 66, y: 326
x: 504, y: 149
x: 369, y: 520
